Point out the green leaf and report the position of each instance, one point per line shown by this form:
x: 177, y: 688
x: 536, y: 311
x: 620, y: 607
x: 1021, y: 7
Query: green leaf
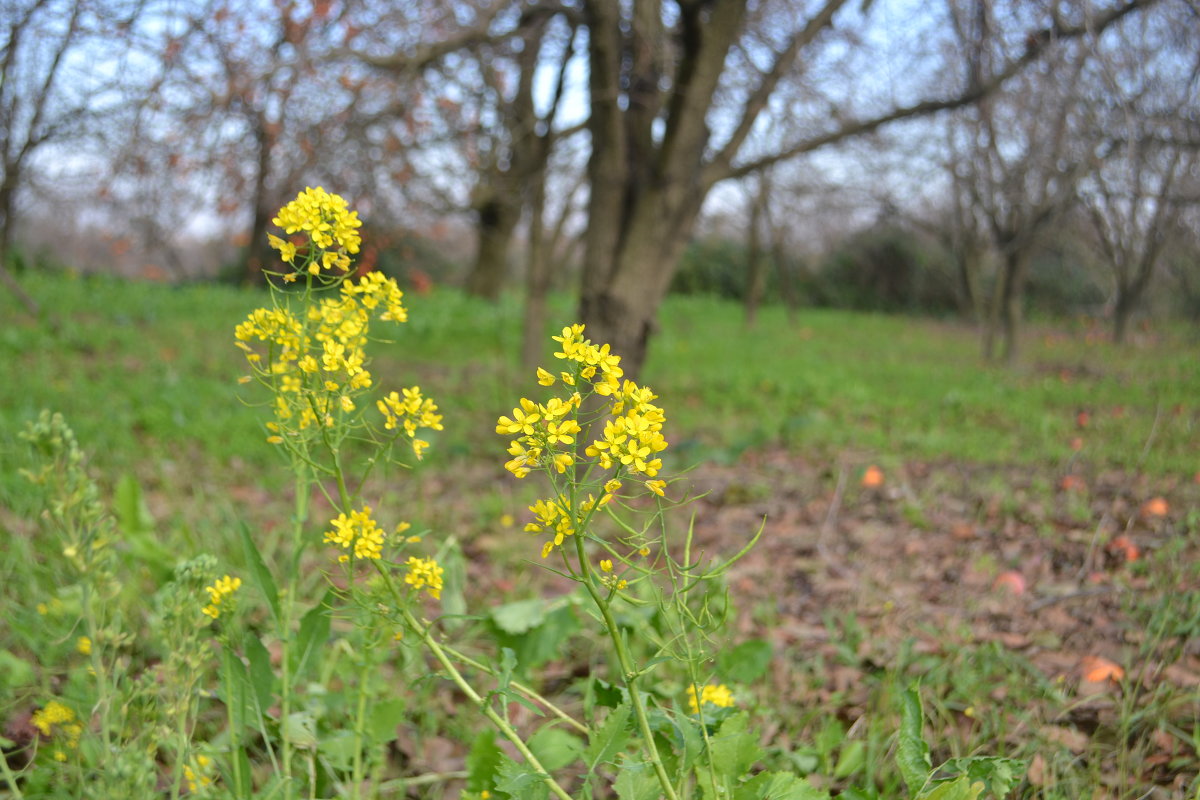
x: 998, y: 774
x: 542, y: 642
x: 338, y: 748
x: 637, y: 781
x: 313, y: 635
x: 483, y: 762
x: 301, y: 728
x: 745, y: 663
x: 385, y: 718
x: 607, y: 740
x: 241, y: 781
x: 555, y: 748
x: 851, y: 759
x: 734, y: 749
x: 261, y: 677
x: 234, y: 683
x: 960, y: 789
x: 130, y: 506
x: 14, y: 671
x: 912, y: 753
x: 779, y: 786
x: 519, y: 782
x: 520, y: 616
x: 262, y: 576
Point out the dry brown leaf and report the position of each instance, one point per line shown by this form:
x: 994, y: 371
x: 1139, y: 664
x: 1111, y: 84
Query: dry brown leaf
x: 1096, y: 669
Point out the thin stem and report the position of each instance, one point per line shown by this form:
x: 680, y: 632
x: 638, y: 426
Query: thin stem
x: 10, y: 778
x: 520, y: 687
x: 285, y: 674
x: 360, y: 724
x: 452, y: 672
x: 629, y: 672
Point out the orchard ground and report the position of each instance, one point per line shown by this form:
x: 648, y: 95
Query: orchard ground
x: 1024, y: 540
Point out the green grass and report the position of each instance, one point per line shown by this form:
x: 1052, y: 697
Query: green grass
x: 146, y: 372
x: 146, y: 375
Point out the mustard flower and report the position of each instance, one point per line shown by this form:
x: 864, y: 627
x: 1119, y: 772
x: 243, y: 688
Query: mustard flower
x: 53, y: 715
x: 358, y: 531
x: 425, y: 573
x: 84, y: 645
x: 324, y: 217
x: 718, y: 695
x: 217, y: 594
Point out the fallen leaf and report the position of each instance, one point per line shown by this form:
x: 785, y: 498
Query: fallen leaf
x: 1037, y: 770
x: 1097, y: 669
x: 1071, y: 738
x: 1082, y: 419
x: 873, y: 477
x: 1072, y: 483
x: 1011, y: 580
x: 1077, y: 444
x: 1122, y: 546
x: 1155, y: 507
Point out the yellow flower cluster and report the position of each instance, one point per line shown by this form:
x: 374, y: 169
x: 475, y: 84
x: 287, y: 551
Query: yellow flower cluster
x: 425, y: 573
x: 410, y: 412
x: 218, y: 592
x: 546, y: 433
x: 197, y: 776
x: 327, y: 222
x: 719, y: 696
x: 56, y: 718
x: 315, y: 362
x: 358, y: 530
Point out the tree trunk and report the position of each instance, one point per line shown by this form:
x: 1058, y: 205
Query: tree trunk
x: 498, y: 218
x: 537, y: 279
x: 5, y: 242
x: 756, y: 277
x: 258, y: 252
x: 1016, y: 266
x: 1122, y: 311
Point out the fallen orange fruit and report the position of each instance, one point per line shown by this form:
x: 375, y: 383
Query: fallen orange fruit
x: 1156, y: 507
x: 873, y: 477
x: 1096, y: 669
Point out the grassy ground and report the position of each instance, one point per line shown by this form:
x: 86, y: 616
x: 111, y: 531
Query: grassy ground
x: 1033, y: 470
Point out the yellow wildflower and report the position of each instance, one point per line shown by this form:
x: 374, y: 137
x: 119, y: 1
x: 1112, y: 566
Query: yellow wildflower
x: 218, y: 592
x: 358, y: 530
x: 424, y: 573
x: 718, y: 695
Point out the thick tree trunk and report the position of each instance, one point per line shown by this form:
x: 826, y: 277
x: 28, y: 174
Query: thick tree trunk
x: 537, y: 279
x: 1008, y: 299
x: 258, y: 252
x: 498, y: 218
x: 756, y: 272
x: 6, y: 277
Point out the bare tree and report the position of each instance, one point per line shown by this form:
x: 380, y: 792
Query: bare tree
x: 1148, y: 85
x: 671, y: 118
x: 38, y: 107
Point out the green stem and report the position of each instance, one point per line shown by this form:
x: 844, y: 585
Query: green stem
x: 235, y: 731
x: 285, y: 627
x: 520, y: 687
x: 360, y: 725
x: 452, y: 672
x: 10, y: 778
x: 629, y: 672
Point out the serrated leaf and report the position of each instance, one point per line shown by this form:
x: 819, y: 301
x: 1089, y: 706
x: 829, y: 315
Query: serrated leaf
x: 483, y: 762
x: 637, y: 781
x: 998, y: 774
x: 734, y: 749
x: 745, y: 663
x: 520, y: 616
x: 912, y: 753
x: 958, y: 789
x: 607, y: 740
x: 520, y: 782
x: 555, y: 748
x: 543, y: 641
x: 779, y: 786
x: 262, y: 575
x: 338, y: 748
x: 385, y: 718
